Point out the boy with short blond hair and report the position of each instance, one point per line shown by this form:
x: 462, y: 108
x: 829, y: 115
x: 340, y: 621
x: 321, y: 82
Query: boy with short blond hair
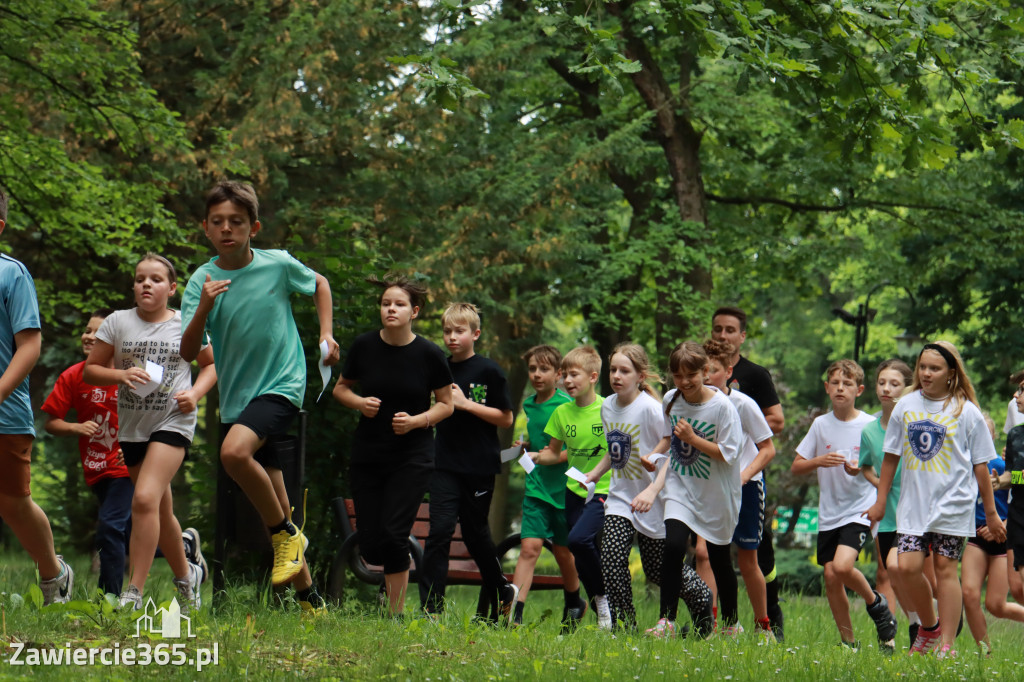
x: 544, y: 491
x: 467, y: 458
x: 20, y: 343
x: 831, y: 448
x: 578, y: 426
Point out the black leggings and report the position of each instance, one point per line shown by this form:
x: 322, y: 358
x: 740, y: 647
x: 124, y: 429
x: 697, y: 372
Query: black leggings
x: 677, y: 578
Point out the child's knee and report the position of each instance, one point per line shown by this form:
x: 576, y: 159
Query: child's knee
x: 530, y: 551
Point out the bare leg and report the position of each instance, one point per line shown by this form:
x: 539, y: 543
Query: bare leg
x: 883, y: 583
x: 973, y: 567
x: 1014, y: 579
x: 917, y: 587
x: 951, y: 599
x: 30, y: 525
x: 236, y: 454
x: 896, y: 580
x: 152, y: 479
x: 529, y: 551
x: 396, y: 585
x: 995, y: 596
x: 838, y: 603
x: 567, y: 567
x: 704, y: 568
x: 753, y: 580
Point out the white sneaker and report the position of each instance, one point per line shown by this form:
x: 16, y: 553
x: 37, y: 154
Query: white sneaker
x: 194, y: 551
x: 58, y: 590
x: 604, y: 613
x: 188, y: 589
x: 131, y: 596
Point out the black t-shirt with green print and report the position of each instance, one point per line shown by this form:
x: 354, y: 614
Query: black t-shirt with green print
x: 467, y: 444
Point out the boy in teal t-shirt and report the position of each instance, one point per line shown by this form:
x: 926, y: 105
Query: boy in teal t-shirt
x: 544, y: 494
x: 578, y: 426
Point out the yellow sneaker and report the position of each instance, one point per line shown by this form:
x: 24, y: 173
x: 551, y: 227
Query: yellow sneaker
x: 311, y: 611
x: 288, y: 555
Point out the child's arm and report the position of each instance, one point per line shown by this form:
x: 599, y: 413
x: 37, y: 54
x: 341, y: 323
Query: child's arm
x: 193, y: 335
x: 659, y: 449
x: 207, y: 377
x: 685, y: 433
x: 802, y: 465
x: 552, y: 453
x: 645, y: 500
x: 765, y: 454
x: 61, y: 427
x: 992, y: 520
x: 503, y: 419
x: 403, y: 422
x: 870, y: 475
x: 27, y: 345
x: 325, y: 314
x: 877, y: 511
x: 98, y: 373
x: 602, y: 467
x: 344, y: 394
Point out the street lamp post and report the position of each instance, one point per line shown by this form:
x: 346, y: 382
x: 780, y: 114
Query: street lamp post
x: 865, y: 314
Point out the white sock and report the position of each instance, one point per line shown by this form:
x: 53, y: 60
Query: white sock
x: 914, y: 618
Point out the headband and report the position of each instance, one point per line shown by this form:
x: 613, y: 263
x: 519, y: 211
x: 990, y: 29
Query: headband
x: 946, y: 355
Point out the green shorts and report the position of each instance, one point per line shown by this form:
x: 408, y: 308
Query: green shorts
x: 545, y: 521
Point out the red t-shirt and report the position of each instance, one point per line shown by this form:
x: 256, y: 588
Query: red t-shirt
x: 92, y: 403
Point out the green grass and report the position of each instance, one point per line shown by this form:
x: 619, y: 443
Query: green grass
x: 261, y: 637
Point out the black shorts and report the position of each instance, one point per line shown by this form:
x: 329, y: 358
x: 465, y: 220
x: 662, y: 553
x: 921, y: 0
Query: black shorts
x: 269, y: 417
x: 852, y: 535
x: 134, y: 453
x: 987, y: 546
x: 886, y: 541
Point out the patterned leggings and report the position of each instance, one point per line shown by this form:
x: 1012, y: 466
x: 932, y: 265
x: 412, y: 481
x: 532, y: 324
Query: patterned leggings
x: 616, y: 541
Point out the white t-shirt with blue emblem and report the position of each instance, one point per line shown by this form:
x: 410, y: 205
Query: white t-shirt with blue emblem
x: 632, y: 431
x: 939, y: 451
x: 755, y: 429
x: 702, y: 492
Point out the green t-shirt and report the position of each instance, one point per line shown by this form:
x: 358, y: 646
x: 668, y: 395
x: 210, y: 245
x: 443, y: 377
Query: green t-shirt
x: 871, y: 454
x: 582, y: 431
x: 256, y: 345
x: 546, y: 482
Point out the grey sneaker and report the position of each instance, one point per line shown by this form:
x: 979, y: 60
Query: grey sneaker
x: 188, y: 589
x: 58, y: 590
x: 131, y: 596
x: 194, y: 551
x: 604, y: 612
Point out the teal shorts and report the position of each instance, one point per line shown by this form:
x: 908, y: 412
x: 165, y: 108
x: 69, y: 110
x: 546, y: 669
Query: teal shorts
x: 545, y: 521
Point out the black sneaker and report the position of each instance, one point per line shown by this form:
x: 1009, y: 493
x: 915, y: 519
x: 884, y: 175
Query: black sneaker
x: 508, y: 594
x: 572, y: 616
x: 777, y: 621
x: 912, y: 629
x: 885, y: 624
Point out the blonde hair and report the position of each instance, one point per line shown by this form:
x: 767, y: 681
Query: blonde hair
x: 849, y: 369
x: 582, y: 357
x: 637, y: 356
x: 461, y: 313
x: 960, y: 388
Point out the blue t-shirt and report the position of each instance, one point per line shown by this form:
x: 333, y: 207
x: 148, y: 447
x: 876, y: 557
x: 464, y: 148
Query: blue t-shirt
x: 1002, y: 496
x: 19, y: 310
x: 256, y: 346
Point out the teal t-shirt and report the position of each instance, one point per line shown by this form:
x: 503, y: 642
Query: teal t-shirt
x: 582, y: 431
x: 546, y: 482
x: 256, y: 346
x: 871, y: 454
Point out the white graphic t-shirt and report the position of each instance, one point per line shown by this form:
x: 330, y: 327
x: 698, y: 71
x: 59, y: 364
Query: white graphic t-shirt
x: 842, y: 498
x: 632, y: 431
x: 702, y: 492
x: 939, y: 452
x: 755, y: 429
x: 136, y: 341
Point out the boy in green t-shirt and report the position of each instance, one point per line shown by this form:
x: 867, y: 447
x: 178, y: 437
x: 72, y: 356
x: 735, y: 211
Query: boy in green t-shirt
x: 544, y: 495
x: 578, y: 426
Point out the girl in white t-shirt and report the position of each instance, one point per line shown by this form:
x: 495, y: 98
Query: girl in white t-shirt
x: 635, y: 428
x: 941, y: 436
x: 701, y: 483
x: 137, y: 349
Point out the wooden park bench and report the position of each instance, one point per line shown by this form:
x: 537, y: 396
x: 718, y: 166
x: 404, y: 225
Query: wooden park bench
x: 462, y: 570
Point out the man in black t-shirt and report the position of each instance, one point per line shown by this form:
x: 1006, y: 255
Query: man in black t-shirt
x: 730, y: 324
x: 467, y: 458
